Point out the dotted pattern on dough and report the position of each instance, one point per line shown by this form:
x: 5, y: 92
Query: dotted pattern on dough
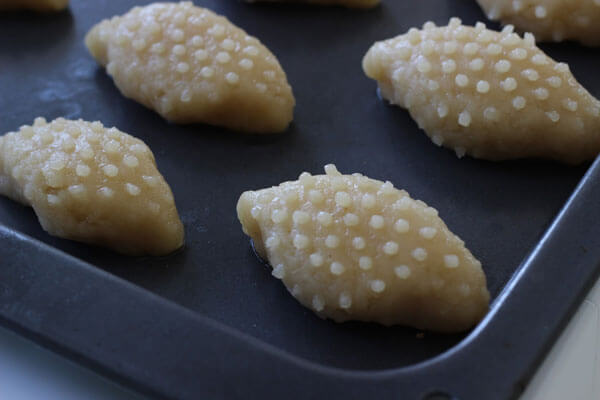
x: 191, y: 65
x: 550, y: 20
x: 489, y: 94
x: 91, y: 183
x: 354, y: 248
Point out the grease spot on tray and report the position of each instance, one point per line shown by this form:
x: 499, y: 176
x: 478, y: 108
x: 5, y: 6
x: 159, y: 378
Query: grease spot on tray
x: 193, y: 219
x: 82, y: 69
x: 63, y: 94
x: 57, y: 91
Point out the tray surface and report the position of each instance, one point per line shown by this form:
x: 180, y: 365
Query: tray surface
x: 499, y: 209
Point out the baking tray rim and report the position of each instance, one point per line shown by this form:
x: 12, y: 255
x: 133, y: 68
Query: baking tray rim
x: 453, y: 358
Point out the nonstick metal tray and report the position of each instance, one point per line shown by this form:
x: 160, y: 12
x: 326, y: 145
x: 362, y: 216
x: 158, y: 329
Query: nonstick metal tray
x: 210, y: 321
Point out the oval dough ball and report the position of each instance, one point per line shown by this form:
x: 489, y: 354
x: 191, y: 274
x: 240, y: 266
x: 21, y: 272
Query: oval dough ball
x: 550, y: 20
x: 36, y: 5
x: 354, y: 248
x: 92, y: 184
x: 191, y: 65
x: 488, y: 94
x: 347, y: 3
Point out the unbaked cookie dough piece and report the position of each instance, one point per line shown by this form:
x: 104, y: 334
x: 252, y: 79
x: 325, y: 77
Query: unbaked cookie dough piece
x: 550, y: 20
x: 92, y: 184
x: 489, y: 94
x: 191, y: 65
x: 354, y: 248
x: 36, y: 5
x: 346, y: 3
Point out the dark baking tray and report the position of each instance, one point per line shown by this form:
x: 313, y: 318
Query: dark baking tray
x: 210, y: 321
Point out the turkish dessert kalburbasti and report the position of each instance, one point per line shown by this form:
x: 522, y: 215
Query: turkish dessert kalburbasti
x: 353, y: 248
x: 193, y: 66
x: 90, y: 183
x: 489, y: 94
x: 550, y: 20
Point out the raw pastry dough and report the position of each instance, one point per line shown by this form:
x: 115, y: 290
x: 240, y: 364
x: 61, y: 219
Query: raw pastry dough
x: 354, y: 248
x: 555, y: 20
x: 89, y: 183
x: 191, y: 65
x: 489, y: 94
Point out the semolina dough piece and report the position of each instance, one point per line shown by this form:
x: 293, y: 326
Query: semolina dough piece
x: 36, y: 5
x: 191, y: 65
x: 92, y: 184
x: 354, y: 248
x: 489, y: 94
x: 346, y: 3
x: 550, y: 20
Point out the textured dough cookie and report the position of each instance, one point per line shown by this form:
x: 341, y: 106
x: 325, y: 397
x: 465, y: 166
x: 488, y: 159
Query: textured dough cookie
x: 489, y: 94
x: 354, y: 248
x: 554, y: 20
x: 347, y: 3
x: 191, y: 65
x: 89, y: 183
x: 37, y: 5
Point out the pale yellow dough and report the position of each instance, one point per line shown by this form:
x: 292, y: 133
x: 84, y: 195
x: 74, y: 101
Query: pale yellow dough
x: 346, y: 3
x: 191, y: 65
x: 354, y: 248
x: 489, y: 94
x: 36, y: 5
x: 550, y: 20
x: 92, y: 184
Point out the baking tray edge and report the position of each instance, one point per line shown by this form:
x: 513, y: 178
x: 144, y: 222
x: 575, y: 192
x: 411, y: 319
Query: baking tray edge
x: 161, y: 349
